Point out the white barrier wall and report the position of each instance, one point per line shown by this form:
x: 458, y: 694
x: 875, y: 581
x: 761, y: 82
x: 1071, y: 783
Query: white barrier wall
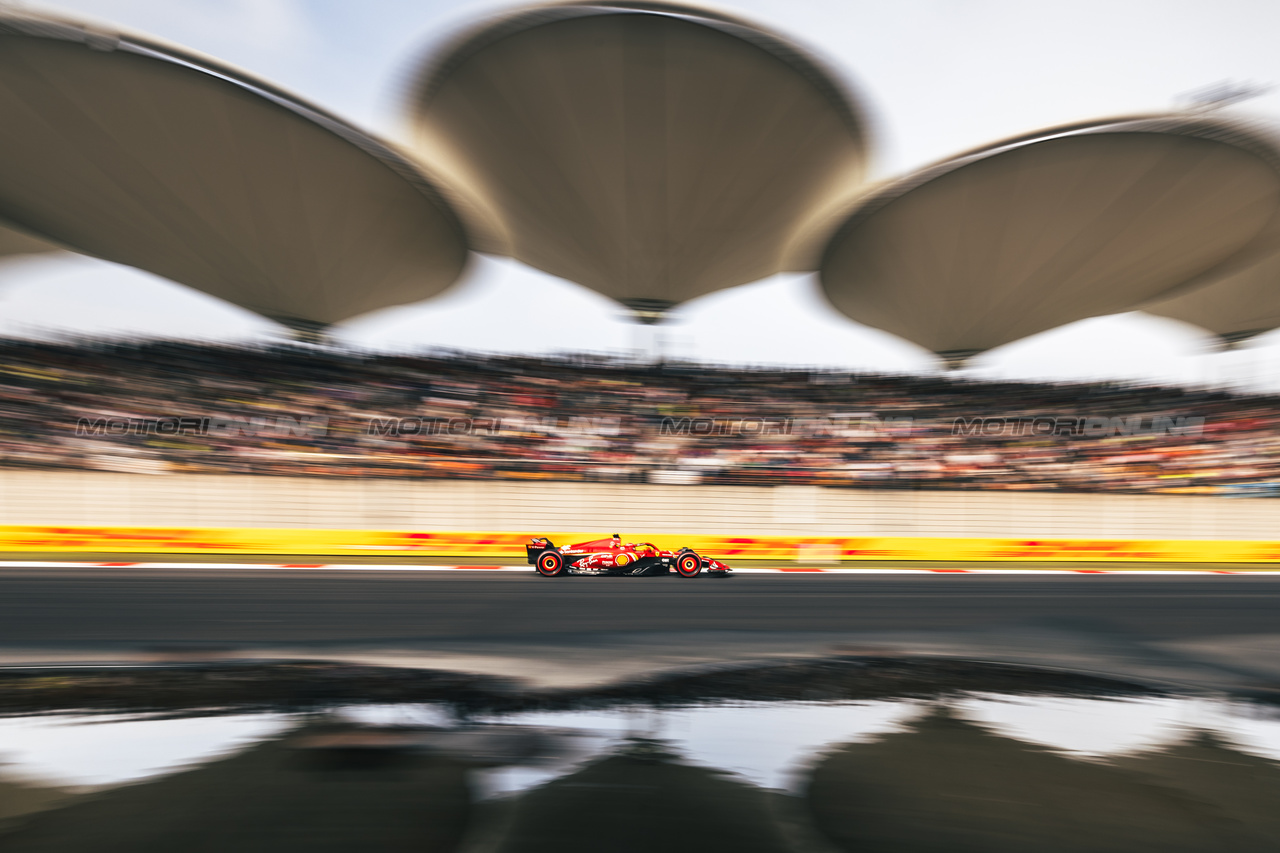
x: 76, y: 498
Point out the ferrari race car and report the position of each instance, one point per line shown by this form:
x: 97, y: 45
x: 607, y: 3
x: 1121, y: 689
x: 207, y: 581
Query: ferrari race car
x: 614, y: 557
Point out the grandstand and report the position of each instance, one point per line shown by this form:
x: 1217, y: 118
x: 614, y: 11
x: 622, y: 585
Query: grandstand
x: 307, y: 411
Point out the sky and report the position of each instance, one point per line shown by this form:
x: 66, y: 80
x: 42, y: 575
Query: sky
x: 937, y: 77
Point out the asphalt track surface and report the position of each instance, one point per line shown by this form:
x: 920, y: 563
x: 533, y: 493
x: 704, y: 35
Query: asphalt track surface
x: 132, y: 607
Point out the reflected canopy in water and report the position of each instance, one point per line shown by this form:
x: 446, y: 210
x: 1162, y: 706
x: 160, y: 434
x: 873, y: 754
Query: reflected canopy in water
x: 272, y: 797
x: 949, y: 785
x: 1242, y: 790
x: 643, y: 800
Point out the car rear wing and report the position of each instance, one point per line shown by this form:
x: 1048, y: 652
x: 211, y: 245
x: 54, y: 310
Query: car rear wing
x: 534, y: 548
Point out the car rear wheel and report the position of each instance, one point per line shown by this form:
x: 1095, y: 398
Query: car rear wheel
x: 550, y: 564
x: 688, y: 565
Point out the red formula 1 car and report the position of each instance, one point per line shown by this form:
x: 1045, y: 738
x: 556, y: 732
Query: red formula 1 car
x: 614, y: 557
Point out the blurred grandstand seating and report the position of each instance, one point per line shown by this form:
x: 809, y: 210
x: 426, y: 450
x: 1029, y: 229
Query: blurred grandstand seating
x: 595, y: 419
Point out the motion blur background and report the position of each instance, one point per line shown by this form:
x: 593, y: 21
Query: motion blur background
x: 927, y: 317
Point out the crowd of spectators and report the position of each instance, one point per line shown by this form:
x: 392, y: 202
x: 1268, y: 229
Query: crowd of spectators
x: 312, y: 411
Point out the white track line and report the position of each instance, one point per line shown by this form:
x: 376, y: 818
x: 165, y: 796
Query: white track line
x: 391, y: 567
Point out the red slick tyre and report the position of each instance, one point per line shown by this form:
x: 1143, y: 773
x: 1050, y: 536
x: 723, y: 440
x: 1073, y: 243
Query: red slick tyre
x: 688, y: 565
x: 550, y: 564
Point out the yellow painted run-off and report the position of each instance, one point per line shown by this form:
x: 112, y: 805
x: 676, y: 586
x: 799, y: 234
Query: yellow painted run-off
x: 507, y: 546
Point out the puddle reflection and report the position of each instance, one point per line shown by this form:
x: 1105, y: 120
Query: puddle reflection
x: 985, y: 772
x: 78, y: 750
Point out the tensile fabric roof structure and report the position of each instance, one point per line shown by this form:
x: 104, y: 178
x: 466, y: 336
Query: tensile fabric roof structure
x: 1032, y: 233
x: 652, y: 152
x: 134, y: 151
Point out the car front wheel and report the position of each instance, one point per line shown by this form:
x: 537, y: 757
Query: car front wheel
x: 688, y: 565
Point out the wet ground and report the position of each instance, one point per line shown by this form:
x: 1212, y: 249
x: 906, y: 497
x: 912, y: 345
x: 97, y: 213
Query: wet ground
x: 847, y: 754
x: 258, y: 710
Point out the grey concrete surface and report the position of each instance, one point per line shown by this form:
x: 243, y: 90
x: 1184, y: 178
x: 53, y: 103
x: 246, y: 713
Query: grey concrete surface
x: 1213, y: 632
